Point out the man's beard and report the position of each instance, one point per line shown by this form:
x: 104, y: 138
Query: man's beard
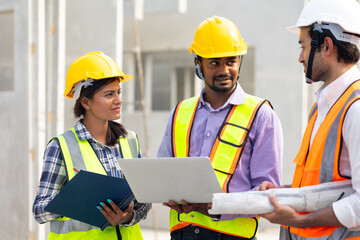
x: 217, y: 89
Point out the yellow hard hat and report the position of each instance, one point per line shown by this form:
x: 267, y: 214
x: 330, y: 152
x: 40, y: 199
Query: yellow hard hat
x: 218, y: 37
x: 92, y: 65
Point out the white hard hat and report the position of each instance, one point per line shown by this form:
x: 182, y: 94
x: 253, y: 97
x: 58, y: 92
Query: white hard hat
x: 329, y: 13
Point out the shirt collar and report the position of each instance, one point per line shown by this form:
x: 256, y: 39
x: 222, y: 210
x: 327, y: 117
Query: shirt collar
x: 327, y: 96
x: 81, y: 131
x: 236, y: 98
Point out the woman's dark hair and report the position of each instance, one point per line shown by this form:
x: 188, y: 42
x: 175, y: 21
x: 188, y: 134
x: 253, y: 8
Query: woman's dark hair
x: 347, y: 52
x: 115, y: 130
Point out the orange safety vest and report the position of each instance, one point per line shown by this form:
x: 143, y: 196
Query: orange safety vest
x: 224, y: 156
x: 319, y: 163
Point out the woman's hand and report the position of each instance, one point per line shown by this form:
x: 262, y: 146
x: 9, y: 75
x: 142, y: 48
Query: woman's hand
x: 115, y: 215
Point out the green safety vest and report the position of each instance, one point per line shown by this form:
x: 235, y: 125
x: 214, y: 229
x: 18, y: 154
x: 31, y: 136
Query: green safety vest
x: 224, y: 156
x: 79, y: 154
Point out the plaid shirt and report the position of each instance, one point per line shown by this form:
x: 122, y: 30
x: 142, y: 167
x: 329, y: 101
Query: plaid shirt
x: 53, y: 176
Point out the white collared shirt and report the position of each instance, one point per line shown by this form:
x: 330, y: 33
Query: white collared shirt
x: 347, y: 210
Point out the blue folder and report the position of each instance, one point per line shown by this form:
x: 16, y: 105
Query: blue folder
x: 80, y: 196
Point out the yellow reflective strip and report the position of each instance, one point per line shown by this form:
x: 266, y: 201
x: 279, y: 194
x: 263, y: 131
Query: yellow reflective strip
x: 224, y: 157
x: 62, y: 219
x: 67, y: 158
x: 91, y: 160
x: 109, y: 233
x: 183, y: 118
x: 241, y: 227
x: 242, y: 116
x: 125, y: 148
x: 221, y: 177
x: 233, y: 134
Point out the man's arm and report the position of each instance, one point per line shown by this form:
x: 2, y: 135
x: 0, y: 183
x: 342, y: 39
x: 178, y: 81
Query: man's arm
x: 267, y: 149
x: 344, y: 212
x: 347, y: 209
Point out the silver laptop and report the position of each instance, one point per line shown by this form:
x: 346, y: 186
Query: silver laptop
x: 158, y: 180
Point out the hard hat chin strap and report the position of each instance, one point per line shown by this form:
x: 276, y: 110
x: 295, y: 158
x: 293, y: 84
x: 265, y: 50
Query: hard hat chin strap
x: 314, y: 45
x: 197, y: 68
x: 76, y: 90
x: 309, y: 67
x: 199, y: 73
x: 241, y: 61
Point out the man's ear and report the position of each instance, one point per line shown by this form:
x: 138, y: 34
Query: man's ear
x: 196, y: 61
x: 85, y: 103
x: 328, y: 45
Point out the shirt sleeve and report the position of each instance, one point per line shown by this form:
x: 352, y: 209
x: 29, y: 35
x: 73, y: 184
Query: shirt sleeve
x: 53, y: 177
x: 267, y: 148
x: 140, y: 213
x: 347, y: 210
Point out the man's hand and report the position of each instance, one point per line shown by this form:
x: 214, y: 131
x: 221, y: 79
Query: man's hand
x: 283, y: 214
x: 185, y: 207
x: 265, y: 185
x: 115, y: 215
x: 287, y: 216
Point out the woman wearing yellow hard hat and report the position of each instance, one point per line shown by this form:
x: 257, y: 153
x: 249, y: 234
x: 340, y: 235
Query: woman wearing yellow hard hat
x: 96, y: 142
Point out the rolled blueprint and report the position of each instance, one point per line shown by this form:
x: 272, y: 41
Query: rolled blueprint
x: 304, y: 199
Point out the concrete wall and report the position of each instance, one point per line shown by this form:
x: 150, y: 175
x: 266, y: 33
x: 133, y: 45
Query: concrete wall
x: 14, y: 154
x: 33, y: 109
x: 32, y: 68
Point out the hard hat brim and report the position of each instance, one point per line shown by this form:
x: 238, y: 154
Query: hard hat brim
x: 294, y: 29
x: 125, y: 78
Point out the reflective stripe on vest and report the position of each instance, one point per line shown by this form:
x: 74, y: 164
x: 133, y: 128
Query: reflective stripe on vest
x: 80, y: 155
x: 181, y: 129
x: 224, y: 156
x: 232, y: 136
x: 319, y: 162
x: 125, y: 143
x: 339, y: 233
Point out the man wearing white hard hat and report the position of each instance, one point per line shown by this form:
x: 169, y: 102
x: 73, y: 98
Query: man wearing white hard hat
x: 329, y: 38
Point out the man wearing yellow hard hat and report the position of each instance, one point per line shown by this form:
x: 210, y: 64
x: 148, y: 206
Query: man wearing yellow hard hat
x: 240, y: 133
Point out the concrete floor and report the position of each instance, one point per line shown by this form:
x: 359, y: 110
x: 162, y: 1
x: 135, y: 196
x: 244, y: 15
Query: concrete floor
x: 264, y: 234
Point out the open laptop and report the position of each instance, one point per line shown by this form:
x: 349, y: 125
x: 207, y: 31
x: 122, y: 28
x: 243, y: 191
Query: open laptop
x: 158, y: 180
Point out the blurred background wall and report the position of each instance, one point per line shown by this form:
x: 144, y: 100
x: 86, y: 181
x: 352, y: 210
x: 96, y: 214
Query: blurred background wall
x: 39, y: 39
